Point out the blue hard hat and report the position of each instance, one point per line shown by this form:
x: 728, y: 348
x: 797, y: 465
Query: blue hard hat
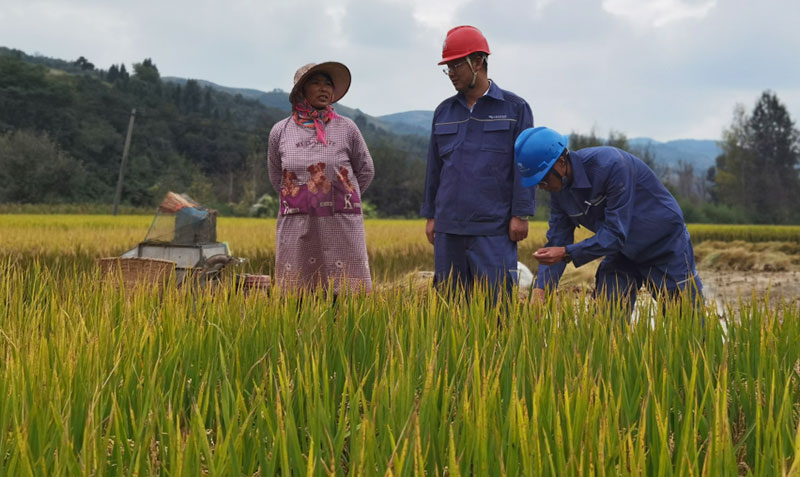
x: 535, y: 152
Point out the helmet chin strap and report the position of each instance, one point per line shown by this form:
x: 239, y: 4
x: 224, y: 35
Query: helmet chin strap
x: 474, y: 74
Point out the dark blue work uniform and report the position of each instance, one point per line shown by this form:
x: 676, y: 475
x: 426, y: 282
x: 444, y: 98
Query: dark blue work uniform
x: 473, y: 187
x: 638, y: 226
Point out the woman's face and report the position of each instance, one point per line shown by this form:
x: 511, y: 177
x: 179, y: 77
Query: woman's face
x: 318, y: 91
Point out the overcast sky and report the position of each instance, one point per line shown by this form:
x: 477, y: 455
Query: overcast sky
x: 665, y: 69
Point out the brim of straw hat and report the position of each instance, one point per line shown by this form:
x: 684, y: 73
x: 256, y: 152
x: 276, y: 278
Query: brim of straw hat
x: 339, y: 73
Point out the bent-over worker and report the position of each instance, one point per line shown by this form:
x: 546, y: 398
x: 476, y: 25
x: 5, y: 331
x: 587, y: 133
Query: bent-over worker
x: 638, y: 226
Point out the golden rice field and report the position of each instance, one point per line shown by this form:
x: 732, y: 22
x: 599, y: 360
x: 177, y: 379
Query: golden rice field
x: 100, y: 381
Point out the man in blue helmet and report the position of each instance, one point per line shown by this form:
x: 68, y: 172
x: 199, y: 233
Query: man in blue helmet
x: 638, y: 226
x: 476, y: 207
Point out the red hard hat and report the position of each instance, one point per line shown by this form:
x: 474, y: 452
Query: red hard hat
x: 462, y: 41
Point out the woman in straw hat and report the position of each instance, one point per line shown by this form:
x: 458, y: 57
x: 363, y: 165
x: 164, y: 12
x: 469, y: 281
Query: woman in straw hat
x: 320, y: 236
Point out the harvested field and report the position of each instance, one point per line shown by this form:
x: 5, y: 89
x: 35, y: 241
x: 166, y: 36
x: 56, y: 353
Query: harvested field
x: 730, y: 286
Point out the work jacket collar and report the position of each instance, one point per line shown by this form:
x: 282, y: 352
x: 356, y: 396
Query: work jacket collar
x: 494, y: 92
x: 579, y: 178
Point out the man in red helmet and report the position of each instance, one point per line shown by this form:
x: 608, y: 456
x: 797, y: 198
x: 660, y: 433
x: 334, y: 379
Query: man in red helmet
x: 476, y: 207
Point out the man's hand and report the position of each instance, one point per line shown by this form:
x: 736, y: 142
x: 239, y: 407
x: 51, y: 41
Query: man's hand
x: 429, y: 230
x: 550, y: 255
x: 517, y: 229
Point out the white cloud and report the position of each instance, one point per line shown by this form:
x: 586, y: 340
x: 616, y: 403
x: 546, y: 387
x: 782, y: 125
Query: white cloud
x: 658, y: 13
x: 657, y: 68
x: 438, y: 16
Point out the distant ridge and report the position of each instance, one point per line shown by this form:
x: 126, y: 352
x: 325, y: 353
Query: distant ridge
x: 411, y: 122
x: 279, y: 99
x: 701, y: 153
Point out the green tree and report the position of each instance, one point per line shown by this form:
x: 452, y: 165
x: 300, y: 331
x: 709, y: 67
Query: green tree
x: 191, y: 96
x: 33, y: 169
x: 147, y: 71
x: 266, y: 206
x: 201, y: 189
x: 399, y: 180
x: 113, y: 74
x: 32, y: 99
x: 580, y: 141
x: 216, y: 151
x: 758, y: 168
x: 731, y: 173
x: 84, y: 64
x: 208, y: 102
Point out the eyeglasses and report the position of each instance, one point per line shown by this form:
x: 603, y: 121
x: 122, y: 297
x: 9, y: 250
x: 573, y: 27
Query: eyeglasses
x: 452, y: 69
x: 544, y: 180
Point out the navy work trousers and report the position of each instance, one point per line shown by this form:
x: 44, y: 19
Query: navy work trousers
x: 468, y: 259
x: 619, y: 278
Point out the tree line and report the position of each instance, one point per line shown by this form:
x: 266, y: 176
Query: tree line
x: 63, y: 126
x: 755, y: 180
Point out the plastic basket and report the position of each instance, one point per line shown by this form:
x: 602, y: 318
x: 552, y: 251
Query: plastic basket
x: 136, y: 271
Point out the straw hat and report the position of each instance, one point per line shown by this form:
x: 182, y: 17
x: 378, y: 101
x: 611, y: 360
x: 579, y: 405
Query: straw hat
x: 338, y: 72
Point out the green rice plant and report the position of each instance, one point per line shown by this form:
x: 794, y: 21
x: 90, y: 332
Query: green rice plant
x: 106, y: 381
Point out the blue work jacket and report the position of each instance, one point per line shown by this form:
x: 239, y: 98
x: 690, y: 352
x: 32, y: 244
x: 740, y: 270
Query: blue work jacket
x: 619, y: 198
x: 472, y: 186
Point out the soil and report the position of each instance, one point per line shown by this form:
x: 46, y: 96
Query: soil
x: 722, y: 286
x: 730, y: 286
x: 719, y: 286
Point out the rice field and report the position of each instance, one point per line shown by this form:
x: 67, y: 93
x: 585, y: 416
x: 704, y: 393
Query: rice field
x: 746, y: 233
x: 95, y: 380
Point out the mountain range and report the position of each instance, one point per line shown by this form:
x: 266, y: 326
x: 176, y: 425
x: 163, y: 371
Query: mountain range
x: 701, y: 153
x: 417, y: 123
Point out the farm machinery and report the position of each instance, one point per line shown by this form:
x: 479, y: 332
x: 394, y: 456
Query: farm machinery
x: 182, y: 238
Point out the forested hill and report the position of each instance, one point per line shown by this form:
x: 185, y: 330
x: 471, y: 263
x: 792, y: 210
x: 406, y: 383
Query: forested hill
x: 701, y: 153
x: 63, y: 126
x: 279, y: 99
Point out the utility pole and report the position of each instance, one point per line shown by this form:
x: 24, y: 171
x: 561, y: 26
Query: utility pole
x: 118, y: 194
